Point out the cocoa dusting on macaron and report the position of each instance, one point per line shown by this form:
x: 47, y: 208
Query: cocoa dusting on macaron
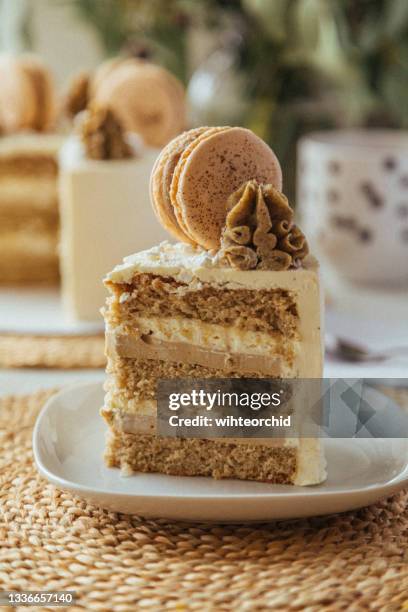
x: 160, y: 181
x: 203, y: 167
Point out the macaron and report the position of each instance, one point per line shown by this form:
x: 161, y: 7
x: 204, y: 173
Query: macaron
x: 160, y: 181
x: 178, y: 211
x: 42, y: 82
x: 203, y: 168
x: 27, y: 100
x: 105, y: 70
x: 147, y: 99
x: 17, y: 99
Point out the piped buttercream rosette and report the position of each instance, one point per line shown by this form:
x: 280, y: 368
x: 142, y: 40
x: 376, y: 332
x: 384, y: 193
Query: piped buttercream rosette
x: 259, y: 230
x: 103, y: 136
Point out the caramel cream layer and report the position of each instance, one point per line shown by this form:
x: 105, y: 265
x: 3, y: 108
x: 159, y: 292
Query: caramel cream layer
x: 148, y: 347
x: 212, y: 336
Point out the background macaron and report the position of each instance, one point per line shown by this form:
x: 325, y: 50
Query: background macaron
x: 147, y: 99
x: 27, y: 96
x: 42, y: 82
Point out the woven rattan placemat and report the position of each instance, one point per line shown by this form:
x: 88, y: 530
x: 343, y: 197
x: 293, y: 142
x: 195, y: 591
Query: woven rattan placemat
x: 50, y: 540
x: 65, y: 352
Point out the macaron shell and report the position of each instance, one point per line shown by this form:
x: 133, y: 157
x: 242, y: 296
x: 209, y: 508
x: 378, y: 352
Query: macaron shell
x: 213, y: 169
x: 143, y: 100
x: 42, y: 84
x: 160, y: 181
x: 164, y: 216
x: 104, y: 71
x: 177, y: 92
x: 17, y: 97
x: 134, y: 100
x: 178, y: 211
x: 177, y: 205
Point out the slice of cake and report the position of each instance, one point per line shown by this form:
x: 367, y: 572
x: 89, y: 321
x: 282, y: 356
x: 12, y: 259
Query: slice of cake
x: 247, y: 309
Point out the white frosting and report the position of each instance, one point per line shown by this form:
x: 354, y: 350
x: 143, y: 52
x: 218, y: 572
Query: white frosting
x: 104, y: 204
x: 30, y: 143
x: 188, y: 264
x: 311, y: 462
x: 73, y: 155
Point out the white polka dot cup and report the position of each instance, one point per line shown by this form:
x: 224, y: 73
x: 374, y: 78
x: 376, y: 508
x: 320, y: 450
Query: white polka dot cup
x: 353, y: 200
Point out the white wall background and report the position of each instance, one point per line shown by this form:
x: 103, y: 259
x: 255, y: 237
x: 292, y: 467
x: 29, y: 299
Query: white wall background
x: 64, y: 41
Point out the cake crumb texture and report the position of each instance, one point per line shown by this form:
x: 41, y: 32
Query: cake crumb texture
x: 196, y: 457
x: 263, y: 310
x: 134, y: 380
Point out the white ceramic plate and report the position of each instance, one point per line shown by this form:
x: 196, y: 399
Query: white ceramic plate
x: 44, y: 307
x: 68, y: 446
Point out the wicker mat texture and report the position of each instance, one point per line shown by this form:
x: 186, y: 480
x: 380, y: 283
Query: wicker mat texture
x: 50, y: 540
x: 65, y: 352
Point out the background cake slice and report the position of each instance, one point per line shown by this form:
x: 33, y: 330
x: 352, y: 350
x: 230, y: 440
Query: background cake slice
x: 29, y: 218
x: 28, y: 171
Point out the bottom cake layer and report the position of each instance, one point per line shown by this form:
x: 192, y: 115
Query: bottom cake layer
x: 188, y: 457
x: 215, y: 458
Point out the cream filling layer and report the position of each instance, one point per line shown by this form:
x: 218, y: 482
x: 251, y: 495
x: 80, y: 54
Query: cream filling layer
x: 29, y: 244
x: 30, y: 143
x: 212, y: 336
x: 39, y: 193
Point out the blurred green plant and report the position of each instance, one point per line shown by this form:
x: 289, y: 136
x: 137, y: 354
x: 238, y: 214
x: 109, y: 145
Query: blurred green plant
x: 302, y: 64
x: 143, y: 27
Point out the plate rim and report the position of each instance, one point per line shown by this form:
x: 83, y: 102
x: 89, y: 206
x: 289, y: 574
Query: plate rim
x: 393, y: 485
